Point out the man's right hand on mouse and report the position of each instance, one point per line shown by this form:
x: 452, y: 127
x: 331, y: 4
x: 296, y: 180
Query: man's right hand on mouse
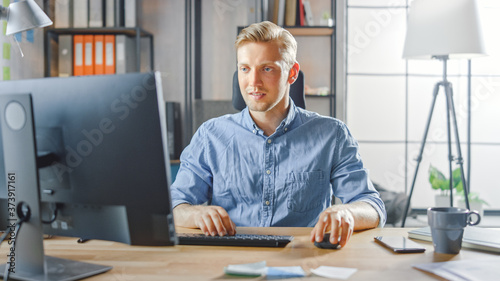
x: 337, y: 220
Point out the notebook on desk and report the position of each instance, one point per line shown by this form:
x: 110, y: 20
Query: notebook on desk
x: 485, y: 239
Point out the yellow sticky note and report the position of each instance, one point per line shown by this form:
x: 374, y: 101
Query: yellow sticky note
x: 6, y: 51
x: 6, y: 73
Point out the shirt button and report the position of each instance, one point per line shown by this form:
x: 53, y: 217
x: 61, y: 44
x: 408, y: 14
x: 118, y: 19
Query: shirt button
x: 267, y: 203
x: 268, y: 172
x: 269, y: 141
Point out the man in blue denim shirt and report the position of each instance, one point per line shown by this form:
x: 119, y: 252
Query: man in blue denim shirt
x: 273, y: 164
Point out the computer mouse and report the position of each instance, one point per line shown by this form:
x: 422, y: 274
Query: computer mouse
x: 325, y: 244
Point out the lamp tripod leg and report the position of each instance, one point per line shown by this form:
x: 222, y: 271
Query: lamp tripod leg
x: 460, y: 160
x: 449, y: 100
x: 419, y: 158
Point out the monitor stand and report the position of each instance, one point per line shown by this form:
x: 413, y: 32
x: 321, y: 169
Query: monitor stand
x: 27, y: 261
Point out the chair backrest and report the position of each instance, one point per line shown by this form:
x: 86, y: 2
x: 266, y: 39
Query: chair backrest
x: 296, y: 92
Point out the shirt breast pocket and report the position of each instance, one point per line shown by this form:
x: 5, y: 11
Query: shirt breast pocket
x: 306, y: 191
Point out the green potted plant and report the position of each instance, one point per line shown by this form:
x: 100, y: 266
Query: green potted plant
x: 439, y: 182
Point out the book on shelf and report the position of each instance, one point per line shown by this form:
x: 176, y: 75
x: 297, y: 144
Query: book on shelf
x: 63, y: 11
x: 88, y: 57
x: 65, y: 59
x: 279, y: 12
x: 119, y: 13
x: 300, y: 18
x: 290, y: 12
x: 99, y: 54
x: 80, y: 14
x: 308, y: 13
x: 96, y: 17
x: 479, y: 238
x: 125, y: 48
x: 110, y: 13
x: 78, y: 55
x: 109, y: 54
x: 132, y: 9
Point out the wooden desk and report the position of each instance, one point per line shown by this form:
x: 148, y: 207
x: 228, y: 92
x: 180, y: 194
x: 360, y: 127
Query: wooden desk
x: 132, y: 263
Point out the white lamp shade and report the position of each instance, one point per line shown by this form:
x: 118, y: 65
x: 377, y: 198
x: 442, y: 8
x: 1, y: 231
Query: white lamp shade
x: 443, y: 28
x: 25, y: 15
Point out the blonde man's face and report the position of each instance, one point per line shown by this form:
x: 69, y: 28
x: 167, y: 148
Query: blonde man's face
x: 262, y: 76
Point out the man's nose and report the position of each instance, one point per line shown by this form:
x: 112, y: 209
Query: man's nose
x: 254, y: 78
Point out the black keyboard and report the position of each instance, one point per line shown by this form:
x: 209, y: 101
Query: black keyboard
x: 239, y: 240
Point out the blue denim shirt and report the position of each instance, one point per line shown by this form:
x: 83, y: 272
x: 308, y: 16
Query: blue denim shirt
x: 286, y: 179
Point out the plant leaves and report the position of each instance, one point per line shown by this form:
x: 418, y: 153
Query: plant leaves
x: 437, y: 179
x: 457, y: 177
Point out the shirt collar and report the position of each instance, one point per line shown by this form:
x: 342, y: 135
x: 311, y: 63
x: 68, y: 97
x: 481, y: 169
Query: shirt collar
x: 291, y: 121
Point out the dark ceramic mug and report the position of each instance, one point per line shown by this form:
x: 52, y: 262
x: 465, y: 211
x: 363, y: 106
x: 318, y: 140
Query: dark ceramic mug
x: 447, y: 227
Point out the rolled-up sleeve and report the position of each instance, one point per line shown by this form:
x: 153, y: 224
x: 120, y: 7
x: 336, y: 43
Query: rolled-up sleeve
x: 193, y: 183
x: 350, y: 181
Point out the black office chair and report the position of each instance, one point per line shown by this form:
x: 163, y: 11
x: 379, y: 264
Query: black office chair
x: 296, y: 92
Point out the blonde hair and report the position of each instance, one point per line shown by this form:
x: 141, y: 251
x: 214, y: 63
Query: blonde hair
x: 269, y: 32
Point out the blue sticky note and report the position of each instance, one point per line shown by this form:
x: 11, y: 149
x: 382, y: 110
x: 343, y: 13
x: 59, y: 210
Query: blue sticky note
x: 283, y: 272
x: 30, y: 35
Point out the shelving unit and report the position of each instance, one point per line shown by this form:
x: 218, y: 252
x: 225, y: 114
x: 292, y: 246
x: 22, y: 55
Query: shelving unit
x: 52, y: 34
x: 320, y: 31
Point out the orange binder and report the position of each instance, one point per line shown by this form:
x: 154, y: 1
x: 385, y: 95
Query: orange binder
x: 98, y: 54
x: 109, y: 54
x: 88, y: 57
x: 78, y: 55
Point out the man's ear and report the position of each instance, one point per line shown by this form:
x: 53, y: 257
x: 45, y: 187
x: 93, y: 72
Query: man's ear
x: 294, y: 73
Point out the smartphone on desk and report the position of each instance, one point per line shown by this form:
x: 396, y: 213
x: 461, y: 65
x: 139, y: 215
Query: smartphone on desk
x: 399, y: 244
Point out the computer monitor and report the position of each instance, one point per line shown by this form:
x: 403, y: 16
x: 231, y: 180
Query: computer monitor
x: 102, y: 158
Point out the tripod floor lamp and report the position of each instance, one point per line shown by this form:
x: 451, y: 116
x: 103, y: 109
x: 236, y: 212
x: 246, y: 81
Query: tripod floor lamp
x: 443, y: 30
